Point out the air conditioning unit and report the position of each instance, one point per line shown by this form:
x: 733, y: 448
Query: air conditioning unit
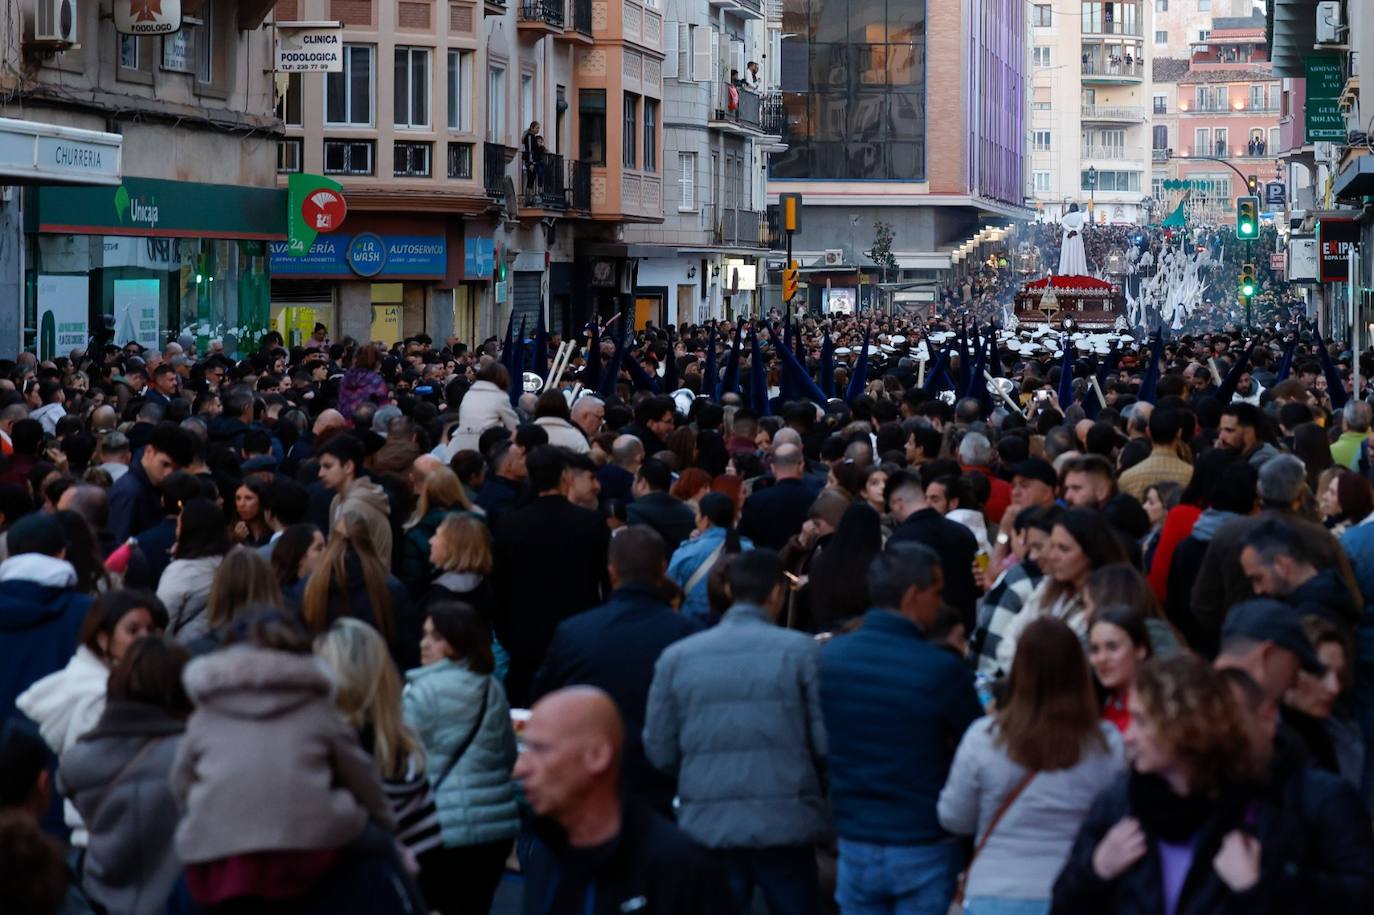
x: 1329, y: 23
x: 54, y: 23
x: 834, y: 257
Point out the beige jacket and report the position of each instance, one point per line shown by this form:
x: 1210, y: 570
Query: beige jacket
x: 369, y: 500
x: 268, y: 763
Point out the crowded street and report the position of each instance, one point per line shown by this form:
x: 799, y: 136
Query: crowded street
x: 743, y: 458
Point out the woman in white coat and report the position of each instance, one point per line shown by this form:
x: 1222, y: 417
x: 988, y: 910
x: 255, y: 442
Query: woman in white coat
x: 486, y: 404
x: 67, y: 704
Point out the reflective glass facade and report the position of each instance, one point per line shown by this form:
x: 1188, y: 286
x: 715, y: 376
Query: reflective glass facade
x: 854, y: 88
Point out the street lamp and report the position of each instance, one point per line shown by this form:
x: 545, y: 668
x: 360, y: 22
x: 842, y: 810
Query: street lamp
x: 1092, y: 188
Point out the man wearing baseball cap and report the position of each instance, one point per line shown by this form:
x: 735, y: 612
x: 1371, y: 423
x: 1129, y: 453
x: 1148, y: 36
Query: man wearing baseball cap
x: 1034, y: 482
x: 1265, y: 638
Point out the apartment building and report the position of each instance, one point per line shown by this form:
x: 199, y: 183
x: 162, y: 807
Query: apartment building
x: 1180, y: 24
x: 154, y: 192
x: 721, y: 120
x: 1091, y: 102
x: 431, y: 129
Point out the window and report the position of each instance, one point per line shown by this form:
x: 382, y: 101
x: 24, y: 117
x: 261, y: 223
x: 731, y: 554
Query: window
x: 1161, y: 103
x: 526, y: 100
x: 410, y: 160
x: 460, y: 160
x: 1161, y: 36
x: 650, y: 135
x: 348, y: 93
x: 1204, y: 6
x: 204, y: 42
x: 411, y: 107
x: 179, y: 48
x: 687, y: 181
x: 1202, y: 142
x: 591, y: 126
x: 1042, y: 56
x: 288, y: 156
x: 1160, y: 137
x: 1040, y: 106
x: 1042, y: 15
x: 1200, y: 98
x: 1161, y: 6
x: 348, y: 157
x: 1222, y: 139
x: 128, y: 52
x: 1256, y: 96
x: 496, y: 104
x: 459, y: 91
x: 1113, y: 181
x: 1221, y: 98
x: 289, y: 102
x: 1040, y: 140
x: 630, y: 145
x: 1042, y: 182
x: 1204, y: 34
x: 1272, y: 148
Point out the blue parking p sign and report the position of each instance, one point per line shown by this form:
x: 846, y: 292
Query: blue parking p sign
x: 1274, y: 195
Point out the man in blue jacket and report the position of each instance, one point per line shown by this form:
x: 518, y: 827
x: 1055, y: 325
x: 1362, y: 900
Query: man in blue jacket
x: 895, y: 707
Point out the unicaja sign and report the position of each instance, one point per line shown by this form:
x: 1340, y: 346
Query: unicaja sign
x: 136, y: 211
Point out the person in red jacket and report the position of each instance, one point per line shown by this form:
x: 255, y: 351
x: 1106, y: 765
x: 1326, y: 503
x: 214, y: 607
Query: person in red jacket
x: 975, y: 456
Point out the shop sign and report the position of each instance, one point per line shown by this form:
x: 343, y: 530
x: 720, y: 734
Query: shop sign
x: 367, y: 254
x: 1324, y: 83
x: 147, y: 17
x: 314, y: 204
x: 151, y: 206
x: 386, y: 324
x: 62, y: 310
x: 309, y: 47
x: 29, y: 150
x: 479, y: 258
x: 1336, y: 238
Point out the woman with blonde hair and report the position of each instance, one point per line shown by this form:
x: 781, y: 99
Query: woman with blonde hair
x: 367, y: 690
x: 351, y: 580
x: 440, y: 493
x: 461, y: 551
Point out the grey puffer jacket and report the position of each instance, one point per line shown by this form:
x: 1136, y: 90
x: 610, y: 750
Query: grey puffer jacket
x: 116, y: 775
x: 735, y: 713
x: 476, y: 798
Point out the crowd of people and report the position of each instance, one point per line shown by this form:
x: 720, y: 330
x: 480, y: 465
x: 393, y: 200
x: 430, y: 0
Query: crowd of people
x: 354, y: 628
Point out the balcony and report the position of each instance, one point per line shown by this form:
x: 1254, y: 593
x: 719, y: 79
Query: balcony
x: 495, y: 158
x: 540, y: 17
x: 1112, y: 71
x: 730, y: 226
x: 542, y: 183
x: 580, y: 185
x: 1160, y: 155
x: 745, y: 118
x: 1112, y: 153
x: 772, y: 114
x: 1114, y: 113
x: 578, y: 27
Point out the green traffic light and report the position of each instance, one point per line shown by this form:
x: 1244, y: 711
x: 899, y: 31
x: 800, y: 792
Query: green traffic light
x: 1248, y: 289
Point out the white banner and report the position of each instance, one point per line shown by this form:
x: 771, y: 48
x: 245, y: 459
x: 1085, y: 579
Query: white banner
x: 147, y: 17
x: 62, y: 314
x: 314, y: 48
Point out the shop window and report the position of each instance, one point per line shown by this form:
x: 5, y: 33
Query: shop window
x: 289, y: 99
x: 348, y: 157
x: 179, y: 48
x: 629, y: 145
x: 411, y: 88
x: 460, y: 161
x: 591, y: 126
x: 411, y: 160
x: 289, y: 154
x: 460, y: 91
x: 129, y: 52
x: 348, y: 93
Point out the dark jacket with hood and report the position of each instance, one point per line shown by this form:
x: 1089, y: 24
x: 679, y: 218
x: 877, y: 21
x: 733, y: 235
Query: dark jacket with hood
x: 649, y: 867
x: 41, y: 613
x: 1327, y: 596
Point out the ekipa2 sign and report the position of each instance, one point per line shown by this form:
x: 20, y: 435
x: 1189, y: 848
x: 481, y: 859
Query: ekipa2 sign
x: 147, y: 17
x: 309, y: 47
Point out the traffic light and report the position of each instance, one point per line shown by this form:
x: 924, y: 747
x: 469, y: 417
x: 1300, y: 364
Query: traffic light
x: 1247, y: 217
x: 1247, y: 283
x: 1252, y: 183
x: 789, y: 281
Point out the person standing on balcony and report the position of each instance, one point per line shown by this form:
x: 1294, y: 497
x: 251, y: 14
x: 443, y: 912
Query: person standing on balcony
x: 529, y: 153
x: 752, y: 79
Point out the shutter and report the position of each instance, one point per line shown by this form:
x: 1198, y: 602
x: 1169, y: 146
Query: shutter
x: 715, y: 56
x: 701, y: 54
x: 684, y: 51
x: 737, y: 56
x: 528, y: 299
x: 669, y: 50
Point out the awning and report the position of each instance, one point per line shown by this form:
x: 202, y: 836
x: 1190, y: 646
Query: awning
x: 1294, y: 34
x: 34, y: 153
x: 1356, y: 180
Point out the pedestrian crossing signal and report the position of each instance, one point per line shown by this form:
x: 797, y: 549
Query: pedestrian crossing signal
x: 1247, y: 217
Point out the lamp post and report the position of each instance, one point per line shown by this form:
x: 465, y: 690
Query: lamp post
x: 1092, y: 192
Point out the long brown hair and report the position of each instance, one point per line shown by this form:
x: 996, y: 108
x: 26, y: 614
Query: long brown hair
x: 368, y: 692
x: 1050, y: 713
x: 1095, y: 537
x: 243, y: 579
x: 330, y: 576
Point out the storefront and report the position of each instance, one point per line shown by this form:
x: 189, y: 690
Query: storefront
x: 162, y: 258
x: 383, y: 278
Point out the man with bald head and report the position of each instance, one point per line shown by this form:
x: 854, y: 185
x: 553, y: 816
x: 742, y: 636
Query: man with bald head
x: 596, y: 854
x: 617, y: 478
x: 774, y: 515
